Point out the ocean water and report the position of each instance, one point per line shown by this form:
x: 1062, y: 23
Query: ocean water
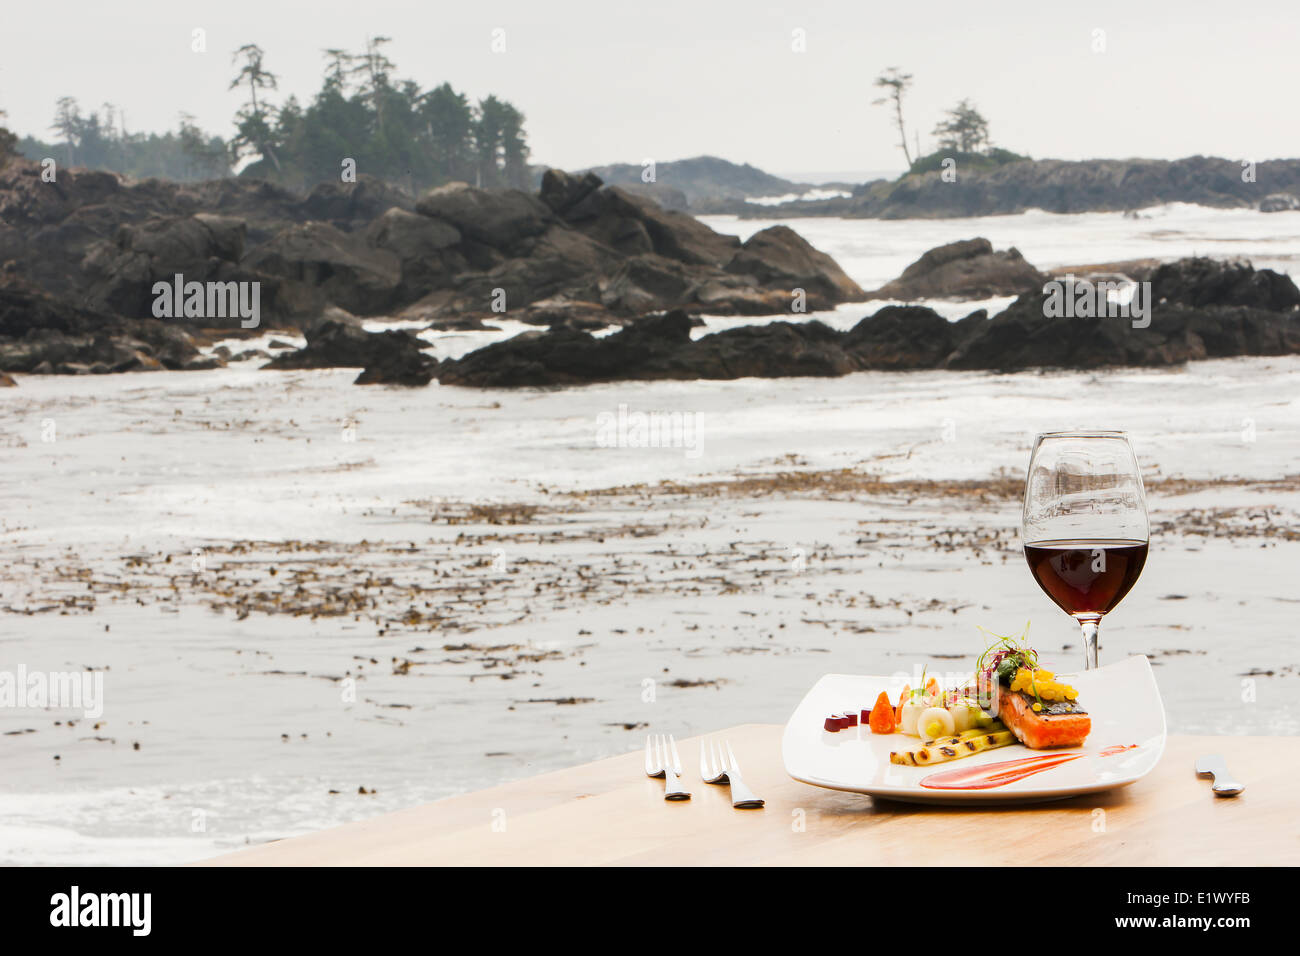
x: 223, y: 728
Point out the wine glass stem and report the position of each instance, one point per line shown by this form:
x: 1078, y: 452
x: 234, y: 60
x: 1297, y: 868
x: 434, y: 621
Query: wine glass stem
x: 1089, y: 626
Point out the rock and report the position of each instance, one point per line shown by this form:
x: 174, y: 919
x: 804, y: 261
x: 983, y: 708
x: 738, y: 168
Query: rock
x: 901, y: 337
x: 1057, y: 186
x: 279, y: 344
x: 560, y: 260
x: 561, y: 191
x: 426, y: 248
x: 7, y: 380
x: 633, y: 225
x: 1202, y: 282
x: 410, y: 236
x: 779, y: 256
x: 322, y: 263
x: 500, y: 219
x: 203, y: 363
x: 661, y: 194
x: 774, y: 350
x: 967, y: 269
x: 656, y: 347
x: 366, y: 199
x: 400, y: 366
x: 201, y: 248
x: 391, y: 356
x: 1279, y: 202
x: 570, y: 313
x: 566, y: 357
x: 40, y: 334
x: 1022, y: 337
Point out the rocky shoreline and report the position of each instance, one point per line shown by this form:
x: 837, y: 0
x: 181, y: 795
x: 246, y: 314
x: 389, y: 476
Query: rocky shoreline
x: 1053, y: 185
x: 81, y: 256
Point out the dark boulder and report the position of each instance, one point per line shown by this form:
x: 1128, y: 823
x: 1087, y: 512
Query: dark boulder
x: 321, y: 264
x: 774, y: 350
x: 561, y: 191
x: 901, y: 337
x: 657, y: 347
x: 634, y: 225
x: 1023, y: 337
x: 968, y: 269
x: 393, y: 356
x: 779, y: 256
x: 501, y: 219
x: 201, y: 247
x: 366, y: 199
x: 39, y: 332
x: 1202, y: 282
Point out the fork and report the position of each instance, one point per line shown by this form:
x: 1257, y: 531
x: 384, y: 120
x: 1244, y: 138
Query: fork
x: 726, y: 769
x: 662, y: 761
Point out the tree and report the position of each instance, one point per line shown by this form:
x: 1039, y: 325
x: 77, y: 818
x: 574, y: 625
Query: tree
x: 374, y: 69
x: 897, y: 84
x: 964, y: 130
x: 449, y: 127
x: 205, y: 156
x: 514, y: 150
x: 8, y: 143
x: 254, y: 130
x: 67, y: 123
x: 488, y: 146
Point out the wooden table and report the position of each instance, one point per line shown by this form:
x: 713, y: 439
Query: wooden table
x: 610, y: 813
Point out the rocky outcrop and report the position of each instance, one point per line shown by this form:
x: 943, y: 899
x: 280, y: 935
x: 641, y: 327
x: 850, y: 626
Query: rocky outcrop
x: 392, y: 357
x: 656, y: 347
x: 1060, y: 186
x: 42, y: 334
x: 1204, y: 282
x: 1221, y: 313
x: 1021, y: 338
x: 456, y: 255
x: 968, y: 269
x: 697, y: 179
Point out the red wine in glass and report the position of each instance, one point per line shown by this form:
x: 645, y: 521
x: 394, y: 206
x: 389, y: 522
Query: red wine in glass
x: 1085, y: 528
x: 1086, y: 578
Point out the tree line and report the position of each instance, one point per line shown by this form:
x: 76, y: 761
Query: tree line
x: 363, y: 112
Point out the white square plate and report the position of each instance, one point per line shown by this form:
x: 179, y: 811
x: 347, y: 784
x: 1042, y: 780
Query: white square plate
x: 1121, y: 698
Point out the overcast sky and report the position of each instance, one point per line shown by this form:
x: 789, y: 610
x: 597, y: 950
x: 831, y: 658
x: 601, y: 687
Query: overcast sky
x: 609, y: 82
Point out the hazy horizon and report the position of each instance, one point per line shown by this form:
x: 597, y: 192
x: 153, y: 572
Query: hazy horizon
x: 679, y: 80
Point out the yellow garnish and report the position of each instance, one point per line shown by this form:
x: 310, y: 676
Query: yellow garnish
x: 1040, y: 683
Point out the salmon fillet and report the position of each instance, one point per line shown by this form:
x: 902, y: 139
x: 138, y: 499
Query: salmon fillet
x: 1041, y: 730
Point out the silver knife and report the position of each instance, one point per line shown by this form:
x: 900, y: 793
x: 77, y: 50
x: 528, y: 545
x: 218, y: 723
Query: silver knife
x: 1225, y: 784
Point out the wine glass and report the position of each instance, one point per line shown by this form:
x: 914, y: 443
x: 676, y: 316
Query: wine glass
x: 1085, y: 528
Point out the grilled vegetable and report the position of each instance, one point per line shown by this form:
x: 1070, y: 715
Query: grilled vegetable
x: 940, y: 752
x: 995, y: 727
